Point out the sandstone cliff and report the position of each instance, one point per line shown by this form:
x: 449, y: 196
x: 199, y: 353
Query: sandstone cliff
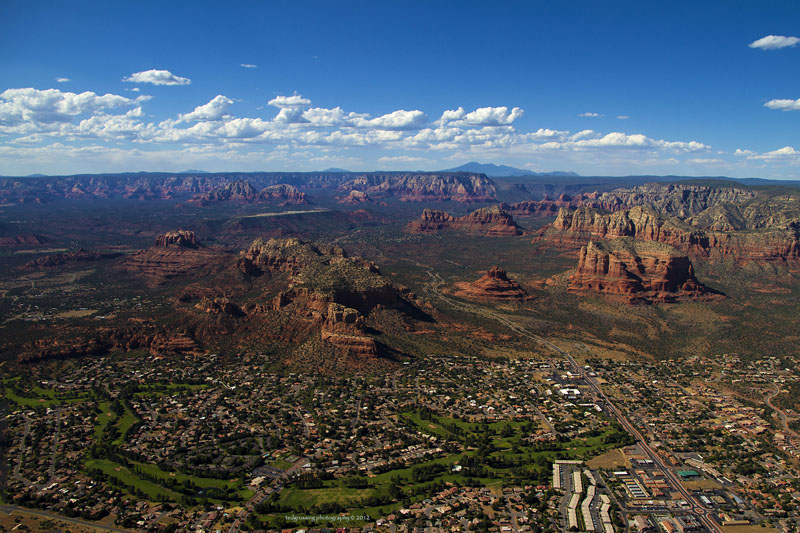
x: 636, y: 272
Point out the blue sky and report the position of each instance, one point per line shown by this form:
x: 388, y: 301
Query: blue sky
x: 693, y: 88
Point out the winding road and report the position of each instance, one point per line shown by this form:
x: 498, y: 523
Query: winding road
x: 781, y: 413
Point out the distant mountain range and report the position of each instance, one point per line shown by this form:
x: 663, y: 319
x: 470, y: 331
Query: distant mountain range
x: 503, y: 171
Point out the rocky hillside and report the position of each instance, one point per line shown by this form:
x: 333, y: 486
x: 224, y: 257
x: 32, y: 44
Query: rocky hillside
x: 491, y: 221
x: 312, y: 300
x: 323, y: 270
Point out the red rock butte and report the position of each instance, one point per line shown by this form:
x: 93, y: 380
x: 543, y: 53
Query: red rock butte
x: 183, y: 238
x: 494, y: 285
x: 636, y: 272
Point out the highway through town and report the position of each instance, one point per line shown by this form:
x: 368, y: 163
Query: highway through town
x: 697, y: 509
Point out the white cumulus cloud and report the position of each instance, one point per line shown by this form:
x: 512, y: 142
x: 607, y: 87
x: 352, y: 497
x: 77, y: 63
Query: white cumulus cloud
x: 291, y: 108
x: 401, y: 159
x: 248, y: 65
x: 62, y: 80
x: 774, y: 42
x: 590, y: 114
x: 289, y: 101
x: 157, y: 77
x: 787, y: 154
x: 483, y: 116
x: 396, y: 120
x: 53, y: 106
x: 784, y: 104
x: 213, y: 110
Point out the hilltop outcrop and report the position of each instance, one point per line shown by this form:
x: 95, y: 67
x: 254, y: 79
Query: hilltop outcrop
x: 326, y: 290
x: 237, y: 191
x: 492, y: 221
x: 322, y: 270
x: 636, y: 272
x: 494, y: 285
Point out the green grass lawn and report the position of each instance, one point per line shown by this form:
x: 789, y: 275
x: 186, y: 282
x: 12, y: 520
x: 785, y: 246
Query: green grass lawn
x: 126, y: 477
x: 43, y: 398
x: 124, y: 424
x: 201, y: 482
x: 102, y: 419
x: 156, y: 491
x: 296, y: 498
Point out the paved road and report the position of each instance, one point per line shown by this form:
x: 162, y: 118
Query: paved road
x: 15, y: 509
x: 51, y: 472
x: 22, y: 452
x: 697, y: 508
